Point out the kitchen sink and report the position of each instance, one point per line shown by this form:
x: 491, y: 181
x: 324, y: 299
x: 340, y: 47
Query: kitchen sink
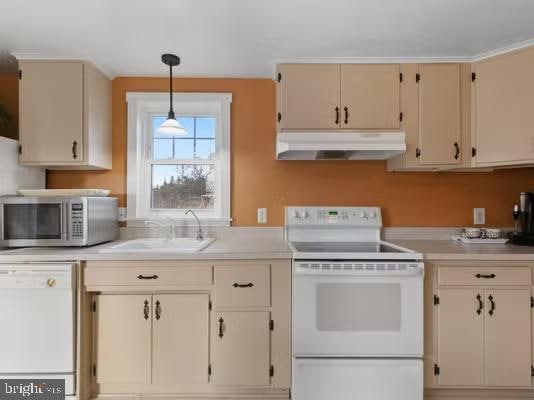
x: 177, y: 245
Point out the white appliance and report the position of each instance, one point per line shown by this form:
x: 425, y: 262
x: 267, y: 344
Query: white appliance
x: 350, y: 145
x: 37, y: 316
x: 14, y: 176
x: 357, y: 307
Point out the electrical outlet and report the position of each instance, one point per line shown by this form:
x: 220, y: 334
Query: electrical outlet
x: 262, y: 215
x: 122, y: 214
x: 479, y: 216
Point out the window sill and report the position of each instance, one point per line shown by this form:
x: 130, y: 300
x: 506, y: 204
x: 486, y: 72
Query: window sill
x: 205, y: 222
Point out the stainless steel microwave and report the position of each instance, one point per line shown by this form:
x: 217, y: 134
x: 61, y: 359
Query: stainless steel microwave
x: 57, y: 221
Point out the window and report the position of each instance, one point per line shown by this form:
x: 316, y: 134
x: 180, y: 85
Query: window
x: 167, y: 175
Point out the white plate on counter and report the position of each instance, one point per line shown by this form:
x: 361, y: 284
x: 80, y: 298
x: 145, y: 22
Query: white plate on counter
x: 63, y: 192
x: 479, y: 240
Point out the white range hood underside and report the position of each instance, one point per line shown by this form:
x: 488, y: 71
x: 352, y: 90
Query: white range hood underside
x: 351, y: 145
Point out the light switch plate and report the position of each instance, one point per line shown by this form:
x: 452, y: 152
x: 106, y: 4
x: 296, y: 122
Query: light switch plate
x: 479, y: 216
x: 262, y: 215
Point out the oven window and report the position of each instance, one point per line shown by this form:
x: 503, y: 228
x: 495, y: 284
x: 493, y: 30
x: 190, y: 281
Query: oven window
x: 32, y: 221
x: 358, y: 307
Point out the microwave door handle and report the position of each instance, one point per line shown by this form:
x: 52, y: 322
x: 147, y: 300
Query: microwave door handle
x: 65, y: 220
x: 2, y: 222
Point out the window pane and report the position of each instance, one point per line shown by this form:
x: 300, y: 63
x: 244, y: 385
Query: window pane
x: 183, y: 149
x: 183, y: 186
x: 205, y: 149
x: 206, y: 127
x: 163, y: 148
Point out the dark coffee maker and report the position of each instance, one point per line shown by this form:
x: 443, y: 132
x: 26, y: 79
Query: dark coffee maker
x: 524, y: 220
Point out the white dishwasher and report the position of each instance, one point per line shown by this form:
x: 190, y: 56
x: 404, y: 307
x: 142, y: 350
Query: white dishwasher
x: 37, y: 320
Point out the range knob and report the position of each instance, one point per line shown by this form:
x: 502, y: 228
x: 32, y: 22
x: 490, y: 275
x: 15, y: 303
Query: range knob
x: 304, y: 214
x: 372, y: 215
x: 363, y: 214
x: 295, y: 214
x: 51, y: 282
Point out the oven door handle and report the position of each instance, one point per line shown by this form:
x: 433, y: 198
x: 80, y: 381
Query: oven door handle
x: 410, y: 272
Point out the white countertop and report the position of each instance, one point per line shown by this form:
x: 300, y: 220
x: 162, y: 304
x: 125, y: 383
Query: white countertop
x: 268, y: 243
x: 232, y: 245
x: 456, y: 251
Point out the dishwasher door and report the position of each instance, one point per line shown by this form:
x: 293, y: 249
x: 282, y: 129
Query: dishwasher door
x: 37, y: 319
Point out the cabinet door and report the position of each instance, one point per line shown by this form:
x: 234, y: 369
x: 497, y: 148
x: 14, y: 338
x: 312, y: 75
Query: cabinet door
x: 504, y: 100
x: 439, y: 114
x: 370, y: 96
x: 508, y: 337
x: 309, y: 97
x: 181, y: 339
x: 461, y: 337
x: 51, y: 112
x: 123, y: 338
x: 241, y: 348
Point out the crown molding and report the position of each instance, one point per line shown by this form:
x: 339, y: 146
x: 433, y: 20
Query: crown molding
x: 503, y: 50
x: 37, y: 57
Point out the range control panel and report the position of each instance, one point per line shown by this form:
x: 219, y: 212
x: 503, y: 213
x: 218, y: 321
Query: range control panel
x: 353, y: 216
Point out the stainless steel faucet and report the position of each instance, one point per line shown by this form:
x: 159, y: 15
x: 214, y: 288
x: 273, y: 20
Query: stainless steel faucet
x: 200, y: 235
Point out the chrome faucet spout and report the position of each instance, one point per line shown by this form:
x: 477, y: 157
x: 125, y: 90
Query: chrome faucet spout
x: 200, y: 235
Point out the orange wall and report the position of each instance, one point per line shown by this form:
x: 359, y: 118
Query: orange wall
x: 9, y: 96
x: 408, y: 199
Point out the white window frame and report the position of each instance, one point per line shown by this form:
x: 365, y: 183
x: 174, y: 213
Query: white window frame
x: 141, y: 108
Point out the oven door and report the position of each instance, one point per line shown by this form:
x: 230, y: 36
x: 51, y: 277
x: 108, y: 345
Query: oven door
x: 33, y: 222
x: 363, y: 310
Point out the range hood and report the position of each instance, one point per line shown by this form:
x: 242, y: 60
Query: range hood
x: 350, y: 145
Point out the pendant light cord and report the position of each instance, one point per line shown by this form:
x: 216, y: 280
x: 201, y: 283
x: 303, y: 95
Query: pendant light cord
x: 171, y: 111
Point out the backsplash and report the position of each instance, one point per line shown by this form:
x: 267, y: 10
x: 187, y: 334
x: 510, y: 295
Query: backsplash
x: 258, y: 180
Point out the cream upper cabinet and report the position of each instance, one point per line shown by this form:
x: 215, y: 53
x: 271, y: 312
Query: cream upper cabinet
x: 64, y: 115
x: 370, y: 96
x: 241, y: 350
x: 123, y: 326
x: 180, y: 339
x: 439, y: 114
x: 309, y: 96
x: 508, y: 337
x: 461, y: 337
x: 333, y: 96
x: 503, y: 117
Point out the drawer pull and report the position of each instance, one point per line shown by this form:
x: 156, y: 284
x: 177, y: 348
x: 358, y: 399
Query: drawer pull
x: 146, y: 310
x: 147, y: 277
x: 221, y: 327
x: 480, y: 304
x: 492, y: 310
x: 158, y: 310
x: 486, y: 276
x: 243, y: 285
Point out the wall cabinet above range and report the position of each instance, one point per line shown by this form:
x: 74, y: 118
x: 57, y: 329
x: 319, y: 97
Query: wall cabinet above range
x: 65, y: 115
x: 333, y: 96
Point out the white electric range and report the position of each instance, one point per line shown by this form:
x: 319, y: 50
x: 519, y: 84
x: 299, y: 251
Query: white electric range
x: 357, y: 307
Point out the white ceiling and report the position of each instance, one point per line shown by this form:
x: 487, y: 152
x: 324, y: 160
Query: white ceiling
x: 247, y: 37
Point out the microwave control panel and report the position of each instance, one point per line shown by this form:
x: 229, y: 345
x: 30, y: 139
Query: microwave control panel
x: 76, y: 218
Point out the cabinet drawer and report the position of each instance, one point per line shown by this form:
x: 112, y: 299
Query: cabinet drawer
x: 242, y: 286
x: 197, y: 275
x: 484, y: 276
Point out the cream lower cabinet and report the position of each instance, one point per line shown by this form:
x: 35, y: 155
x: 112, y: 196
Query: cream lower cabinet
x: 123, y: 330
x: 241, y: 348
x: 159, y: 339
x: 193, y: 330
x: 479, y: 327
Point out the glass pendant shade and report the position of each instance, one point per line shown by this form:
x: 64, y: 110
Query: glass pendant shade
x: 172, y: 127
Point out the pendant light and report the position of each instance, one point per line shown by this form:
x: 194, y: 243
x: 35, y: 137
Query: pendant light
x: 171, y: 126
